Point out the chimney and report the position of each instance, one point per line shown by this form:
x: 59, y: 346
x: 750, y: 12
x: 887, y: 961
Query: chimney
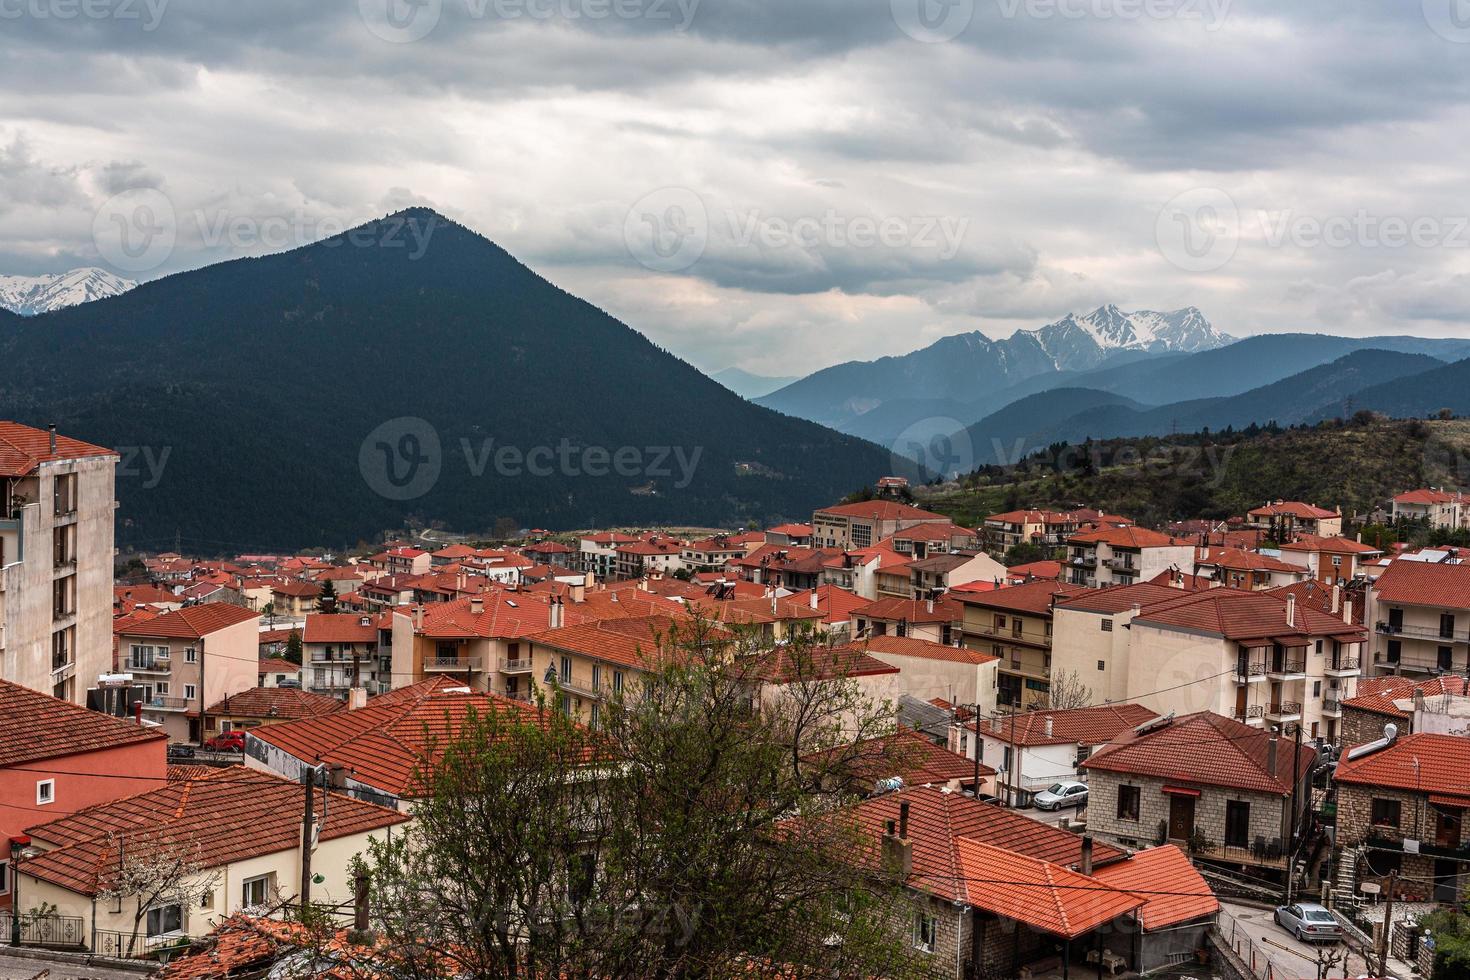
x: 360, y: 894
x: 418, y: 617
x: 1347, y: 611
x: 1271, y: 755
x: 554, y: 614
x: 477, y: 605
x: 1336, y: 597
x: 52, y: 430
x: 1086, y: 867
x: 1291, y: 610
x: 898, y: 850
x: 365, y: 621
x: 356, y: 698
x: 815, y: 602
x: 929, y: 604
x: 138, y: 713
x: 1048, y: 726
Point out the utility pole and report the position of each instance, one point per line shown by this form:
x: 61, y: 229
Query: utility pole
x: 308, y: 818
x: 1387, y: 925
x: 1015, y: 761
x: 1296, y: 788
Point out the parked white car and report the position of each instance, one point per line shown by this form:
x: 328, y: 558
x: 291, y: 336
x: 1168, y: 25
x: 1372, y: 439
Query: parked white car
x: 1308, y: 921
x: 1069, y: 792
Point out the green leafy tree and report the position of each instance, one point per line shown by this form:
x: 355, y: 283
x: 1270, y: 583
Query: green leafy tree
x: 327, y: 601
x: 698, y: 832
x: 293, y: 647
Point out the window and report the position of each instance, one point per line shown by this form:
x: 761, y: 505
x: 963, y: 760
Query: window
x: 256, y: 891
x: 1237, y: 823
x: 1107, y: 625
x: 596, y: 714
x: 596, y: 677
x: 1316, y: 689
x: 1444, y: 657
x: 617, y: 681
x: 45, y: 792
x: 1128, y: 800
x: 566, y: 669
x: 1319, y: 648
x: 189, y: 692
x: 4, y: 877
x: 165, y: 920
x: 161, y: 688
x: 1447, y: 624
x: 191, y: 655
x: 925, y: 929
x: 1000, y: 621
x: 1385, y: 813
x: 1395, y: 650
x: 206, y: 901
x: 1102, y: 665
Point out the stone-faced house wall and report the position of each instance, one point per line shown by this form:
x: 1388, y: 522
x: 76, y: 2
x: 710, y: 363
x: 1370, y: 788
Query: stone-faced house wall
x: 1359, y: 726
x: 1269, y: 814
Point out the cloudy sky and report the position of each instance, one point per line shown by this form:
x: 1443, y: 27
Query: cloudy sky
x: 779, y: 184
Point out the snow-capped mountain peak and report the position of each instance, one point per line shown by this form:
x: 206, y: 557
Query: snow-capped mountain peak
x: 1077, y: 342
x: 30, y: 295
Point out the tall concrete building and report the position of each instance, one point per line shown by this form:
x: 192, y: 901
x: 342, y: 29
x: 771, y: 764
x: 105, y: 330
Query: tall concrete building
x: 56, y: 556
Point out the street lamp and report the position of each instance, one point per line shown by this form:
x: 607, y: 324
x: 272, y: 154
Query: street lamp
x: 18, y: 849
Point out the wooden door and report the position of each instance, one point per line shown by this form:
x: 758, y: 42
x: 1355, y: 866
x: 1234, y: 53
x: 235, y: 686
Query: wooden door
x: 1181, y: 817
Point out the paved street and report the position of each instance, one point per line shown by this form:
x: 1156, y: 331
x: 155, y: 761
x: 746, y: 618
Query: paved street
x: 1297, y: 959
x: 32, y: 967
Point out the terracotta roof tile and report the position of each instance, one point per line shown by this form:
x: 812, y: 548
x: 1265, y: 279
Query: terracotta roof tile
x: 36, y: 726
x: 1422, y: 583
x: 193, y: 622
x: 1173, y: 891
x: 1421, y: 763
x: 1070, y: 726
x: 1043, y: 895
x: 23, y: 448
x: 286, y: 703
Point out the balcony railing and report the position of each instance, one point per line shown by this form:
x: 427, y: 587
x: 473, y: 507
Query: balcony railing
x: 1254, y: 711
x: 1331, y: 706
x: 521, y: 665
x: 1286, y: 667
x: 453, y: 663
x: 155, y: 665
x: 1285, y: 709
x: 1433, y: 633
x: 1344, y: 665
x: 1247, y: 669
x: 161, y: 702
x: 1123, y: 565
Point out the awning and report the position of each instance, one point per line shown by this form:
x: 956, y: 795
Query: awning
x: 1445, y: 799
x: 1180, y: 791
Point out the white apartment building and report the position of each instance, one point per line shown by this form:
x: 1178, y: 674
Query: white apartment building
x: 56, y: 550
x: 1420, y: 615
x: 1123, y: 556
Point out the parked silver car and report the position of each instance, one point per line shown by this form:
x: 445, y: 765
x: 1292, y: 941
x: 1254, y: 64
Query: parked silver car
x: 1308, y: 922
x: 1069, y: 792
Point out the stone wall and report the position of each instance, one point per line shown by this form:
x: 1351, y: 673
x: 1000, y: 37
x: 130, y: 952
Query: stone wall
x: 1359, y: 726
x: 1267, y: 813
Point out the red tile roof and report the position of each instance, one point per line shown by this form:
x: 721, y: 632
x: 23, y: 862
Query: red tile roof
x: 1204, y: 748
x: 909, y: 755
x: 784, y: 665
x: 339, y: 628
x: 1045, y: 568
x: 1378, y: 694
x: 1126, y: 537
x: 1074, y: 726
x: 229, y: 816
x: 881, y: 510
x: 1241, y: 615
x: 1043, y: 895
x: 1173, y: 891
x: 632, y: 642
x: 892, y: 610
x: 1427, y: 496
x: 286, y: 703
x: 23, y: 448
x: 1333, y: 545
x: 1292, y: 508
x: 1422, y: 583
x: 1419, y: 763
x: 36, y: 726
x: 193, y: 622
x: 835, y: 604
x: 909, y: 646
x: 385, y: 743
x: 1120, y: 599
x: 1033, y: 598
x: 1244, y: 561
x: 938, y: 820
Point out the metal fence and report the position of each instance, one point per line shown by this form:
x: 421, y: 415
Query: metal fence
x: 1252, y: 953
x: 46, y: 931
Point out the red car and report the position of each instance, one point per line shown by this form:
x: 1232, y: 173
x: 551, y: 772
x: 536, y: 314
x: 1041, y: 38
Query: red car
x: 227, y: 742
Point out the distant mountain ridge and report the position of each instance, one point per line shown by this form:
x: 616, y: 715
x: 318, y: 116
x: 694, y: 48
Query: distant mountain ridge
x: 32, y: 295
x: 748, y: 385
x: 957, y: 368
x: 326, y: 394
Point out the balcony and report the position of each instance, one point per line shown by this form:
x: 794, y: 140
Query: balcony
x: 1007, y: 635
x: 518, y: 666
x: 1331, y: 708
x: 1250, y: 671
x: 1392, y: 839
x: 1254, y: 715
x: 1287, y: 669
x: 1125, y: 565
x: 583, y: 688
x: 1285, y: 711
x: 1083, y: 561
x: 156, y: 665
x: 160, y: 702
x: 1433, y: 634
x: 453, y: 664
x: 1343, y: 667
